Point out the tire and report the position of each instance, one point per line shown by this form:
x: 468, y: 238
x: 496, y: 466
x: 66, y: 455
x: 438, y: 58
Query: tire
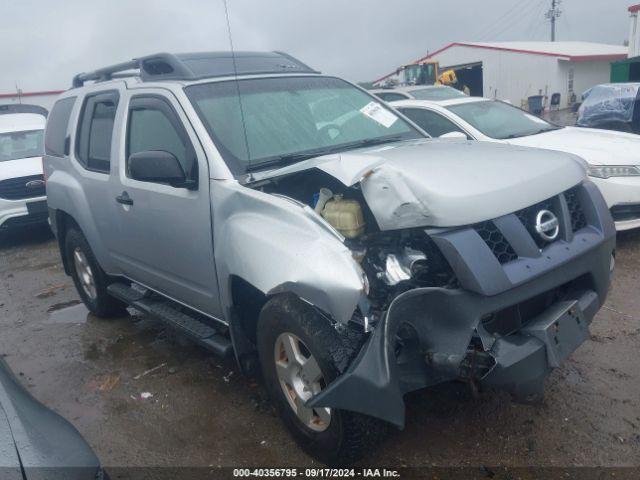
x: 347, y: 435
x: 98, y: 301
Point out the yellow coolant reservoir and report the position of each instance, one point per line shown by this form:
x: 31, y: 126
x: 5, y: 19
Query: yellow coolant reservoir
x: 345, y: 216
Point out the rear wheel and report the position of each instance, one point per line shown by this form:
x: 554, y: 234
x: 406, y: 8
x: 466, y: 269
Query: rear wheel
x: 301, y: 353
x: 90, y: 280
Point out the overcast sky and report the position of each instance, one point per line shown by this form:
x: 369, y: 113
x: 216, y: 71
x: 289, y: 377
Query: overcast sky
x: 44, y: 43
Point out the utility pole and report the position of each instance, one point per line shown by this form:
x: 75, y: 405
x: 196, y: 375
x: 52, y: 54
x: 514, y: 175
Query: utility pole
x: 552, y: 15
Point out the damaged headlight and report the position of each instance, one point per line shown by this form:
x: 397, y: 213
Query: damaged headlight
x: 398, y: 261
x: 613, y: 171
x: 403, y: 266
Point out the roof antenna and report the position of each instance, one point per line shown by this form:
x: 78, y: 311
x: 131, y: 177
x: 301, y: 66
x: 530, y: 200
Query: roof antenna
x: 19, y: 92
x: 235, y: 73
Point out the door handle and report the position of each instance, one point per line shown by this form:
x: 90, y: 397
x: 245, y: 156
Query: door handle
x: 124, y: 199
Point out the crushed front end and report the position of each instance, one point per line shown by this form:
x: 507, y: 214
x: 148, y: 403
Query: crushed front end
x: 521, y: 292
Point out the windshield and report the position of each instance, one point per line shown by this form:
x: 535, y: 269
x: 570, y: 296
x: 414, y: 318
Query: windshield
x: 15, y: 145
x: 436, y: 93
x: 500, y: 120
x: 279, y: 120
x: 420, y: 74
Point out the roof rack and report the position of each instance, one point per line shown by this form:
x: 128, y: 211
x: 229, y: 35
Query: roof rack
x: 195, y: 66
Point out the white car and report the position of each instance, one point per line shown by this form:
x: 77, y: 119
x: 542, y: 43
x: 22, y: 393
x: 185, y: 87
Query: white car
x: 613, y: 157
x: 22, y: 186
x: 418, y: 92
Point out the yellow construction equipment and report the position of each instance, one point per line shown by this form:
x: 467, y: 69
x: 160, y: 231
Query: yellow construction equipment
x: 426, y: 72
x: 448, y: 78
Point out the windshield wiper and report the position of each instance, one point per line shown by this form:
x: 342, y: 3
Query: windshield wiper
x: 537, y: 132
x: 371, y: 142
x: 285, y: 160
x: 292, y: 158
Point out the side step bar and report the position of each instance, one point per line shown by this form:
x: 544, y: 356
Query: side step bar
x: 163, y: 310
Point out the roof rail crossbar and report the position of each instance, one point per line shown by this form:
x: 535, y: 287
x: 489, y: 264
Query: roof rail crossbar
x: 104, y: 73
x: 295, y: 60
x: 167, y: 66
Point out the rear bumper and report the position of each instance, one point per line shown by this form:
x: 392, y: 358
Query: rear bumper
x: 14, y: 213
x: 451, y: 334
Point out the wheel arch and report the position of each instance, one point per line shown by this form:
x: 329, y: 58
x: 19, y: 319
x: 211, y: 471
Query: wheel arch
x: 64, y: 222
x: 247, y: 302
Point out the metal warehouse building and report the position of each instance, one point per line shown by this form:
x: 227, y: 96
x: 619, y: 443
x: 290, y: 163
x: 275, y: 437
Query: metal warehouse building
x: 514, y: 71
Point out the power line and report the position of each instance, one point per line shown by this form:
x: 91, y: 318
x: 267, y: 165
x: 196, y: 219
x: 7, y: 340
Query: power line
x: 526, y: 12
x: 567, y: 26
x: 537, y: 20
x: 499, y: 21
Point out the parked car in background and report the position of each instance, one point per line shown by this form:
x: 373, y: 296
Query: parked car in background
x: 36, y: 443
x: 294, y: 220
x: 22, y: 187
x: 418, y: 92
x: 613, y: 158
x: 613, y: 106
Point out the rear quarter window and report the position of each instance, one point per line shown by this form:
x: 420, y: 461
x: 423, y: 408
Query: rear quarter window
x: 57, y: 125
x: 95, y: 130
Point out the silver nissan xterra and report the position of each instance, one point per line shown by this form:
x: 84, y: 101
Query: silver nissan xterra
x: 293, y: 220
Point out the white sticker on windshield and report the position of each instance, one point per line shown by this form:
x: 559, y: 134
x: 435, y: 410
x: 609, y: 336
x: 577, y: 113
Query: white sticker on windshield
x: 536, y: 119
x: 377, y: 112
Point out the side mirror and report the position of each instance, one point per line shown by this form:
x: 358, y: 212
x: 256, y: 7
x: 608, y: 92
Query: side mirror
x: 454, y: 135
x: 157, y: 166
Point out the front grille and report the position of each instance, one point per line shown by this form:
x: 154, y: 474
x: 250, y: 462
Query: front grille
x: 578, y: 220
x: 16, y: 188
x: 499, y: 245
x: 503, y: 250
x: 621, y: 213
x: 528, y: 218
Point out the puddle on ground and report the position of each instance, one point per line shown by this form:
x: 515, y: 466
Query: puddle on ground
x: 62, y: 305
x: 74, y: 314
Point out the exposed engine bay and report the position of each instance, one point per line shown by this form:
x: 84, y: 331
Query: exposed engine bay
x: 394, y: 261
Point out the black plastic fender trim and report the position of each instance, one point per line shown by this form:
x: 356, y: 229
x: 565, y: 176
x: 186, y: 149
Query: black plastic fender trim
x: 370, y: 385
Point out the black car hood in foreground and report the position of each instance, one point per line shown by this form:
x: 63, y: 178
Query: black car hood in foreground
x: 36, y: 443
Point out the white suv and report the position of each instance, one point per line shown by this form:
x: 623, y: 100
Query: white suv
x: 22, y: 186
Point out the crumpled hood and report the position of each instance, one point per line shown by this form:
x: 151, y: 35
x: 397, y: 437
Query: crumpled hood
x: 597, y: 147
x: 22, y: 167
x: 443, y: 183
x: 448, y: 184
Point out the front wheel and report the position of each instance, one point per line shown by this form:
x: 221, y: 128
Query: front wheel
x: 90, y: 280
x: 301, y: 353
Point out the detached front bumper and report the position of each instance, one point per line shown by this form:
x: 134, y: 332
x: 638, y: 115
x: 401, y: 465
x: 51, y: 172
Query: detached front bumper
x: 508, y: 338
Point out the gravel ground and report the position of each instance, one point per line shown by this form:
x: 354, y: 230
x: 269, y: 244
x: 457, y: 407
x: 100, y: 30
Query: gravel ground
x: 202, y: 412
